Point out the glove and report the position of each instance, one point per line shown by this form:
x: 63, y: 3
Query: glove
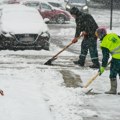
x: 83, y: 33
x: 74, y: 40
x: 101, y: 70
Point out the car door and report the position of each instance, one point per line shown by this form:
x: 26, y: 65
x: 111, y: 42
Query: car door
x: 46, y: 11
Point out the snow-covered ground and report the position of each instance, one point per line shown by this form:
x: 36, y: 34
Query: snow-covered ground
x: 34, y: 91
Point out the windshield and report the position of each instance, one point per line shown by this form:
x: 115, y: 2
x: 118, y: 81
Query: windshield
x: 55, y: 4
x: 77, y: 1
x: 32, y: 4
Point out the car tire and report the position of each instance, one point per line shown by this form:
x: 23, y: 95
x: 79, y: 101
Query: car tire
x: 46, y: 48
x: 60, y: 19
x: 1, y: 48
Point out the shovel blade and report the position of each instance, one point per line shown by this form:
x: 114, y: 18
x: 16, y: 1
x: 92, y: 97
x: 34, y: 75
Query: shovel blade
x: 49, y: 62
x: 86, y: 90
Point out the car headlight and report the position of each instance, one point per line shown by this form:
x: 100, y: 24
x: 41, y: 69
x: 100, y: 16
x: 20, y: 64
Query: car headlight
x: 4, y: 33
x: 45, y: 34
x: 85, y: 8
x: 7, y: 34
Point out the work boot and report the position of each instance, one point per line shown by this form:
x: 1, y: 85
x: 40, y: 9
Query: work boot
x: 78, y: 63
x: 95, y: 66
x: 113, y: 89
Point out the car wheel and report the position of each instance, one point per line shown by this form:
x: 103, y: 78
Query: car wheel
x: 60, y: 19
x: 1, y: 48
x: 46, y: 48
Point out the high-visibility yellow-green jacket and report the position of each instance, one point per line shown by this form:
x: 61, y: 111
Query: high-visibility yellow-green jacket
x: 112, y: 42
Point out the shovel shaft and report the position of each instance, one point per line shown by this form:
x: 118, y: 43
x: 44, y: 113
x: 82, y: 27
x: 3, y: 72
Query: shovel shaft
x: 55, y: 56
x: 62, y: 50
x: 94, y: 77
x: 65, y: 47
x: 91, y: 80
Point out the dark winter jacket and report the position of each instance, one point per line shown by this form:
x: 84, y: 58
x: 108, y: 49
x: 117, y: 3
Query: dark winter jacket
x: 85, y: 22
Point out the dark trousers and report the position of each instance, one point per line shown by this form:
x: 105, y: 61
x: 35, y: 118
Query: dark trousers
x: 115, y: 68
x: 89, y: 44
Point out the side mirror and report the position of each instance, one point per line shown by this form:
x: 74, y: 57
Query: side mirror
x: 46, y: 20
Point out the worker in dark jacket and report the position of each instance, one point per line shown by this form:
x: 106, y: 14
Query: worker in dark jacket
x: 86, y: 25
x: 110, y: 44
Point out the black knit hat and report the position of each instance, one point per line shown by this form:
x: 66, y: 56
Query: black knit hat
x: 74, y: 11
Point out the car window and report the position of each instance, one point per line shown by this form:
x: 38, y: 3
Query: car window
x: 77, y: 1
x: 55, y: 4
x: 32, y: 4
x: 45, y: 7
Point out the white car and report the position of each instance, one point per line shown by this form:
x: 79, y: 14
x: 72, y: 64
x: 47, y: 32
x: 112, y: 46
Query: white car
x: 22, y: 28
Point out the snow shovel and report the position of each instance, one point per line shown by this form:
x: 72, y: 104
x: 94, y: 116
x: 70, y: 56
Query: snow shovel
x: 94, y: 77
x: 49, y: 62
x: 87, y: 91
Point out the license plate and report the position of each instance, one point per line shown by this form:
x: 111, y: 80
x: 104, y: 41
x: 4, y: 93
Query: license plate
x: 26, y: 39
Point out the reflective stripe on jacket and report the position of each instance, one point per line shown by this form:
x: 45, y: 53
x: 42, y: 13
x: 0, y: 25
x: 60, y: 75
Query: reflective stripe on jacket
x: 112, y: 42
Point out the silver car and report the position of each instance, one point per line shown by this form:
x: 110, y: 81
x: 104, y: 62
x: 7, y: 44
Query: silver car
x: 80, y: 4
x: 22, y: 28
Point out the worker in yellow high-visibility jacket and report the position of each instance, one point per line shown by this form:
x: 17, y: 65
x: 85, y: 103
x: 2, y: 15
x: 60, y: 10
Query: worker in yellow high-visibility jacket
x: 110, y: 44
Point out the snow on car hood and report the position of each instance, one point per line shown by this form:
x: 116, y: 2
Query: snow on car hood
x: 78, y: 4
x: 19, y: 27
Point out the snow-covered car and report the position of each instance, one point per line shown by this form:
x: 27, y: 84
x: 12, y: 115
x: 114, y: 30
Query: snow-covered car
x: 22, y: 27
x: 46, y: 10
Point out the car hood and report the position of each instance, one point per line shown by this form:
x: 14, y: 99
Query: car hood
x: 21, y: 27
x: 78, y: 4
